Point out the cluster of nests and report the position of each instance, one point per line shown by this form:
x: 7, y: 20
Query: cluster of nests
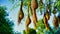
x: 34, y: 6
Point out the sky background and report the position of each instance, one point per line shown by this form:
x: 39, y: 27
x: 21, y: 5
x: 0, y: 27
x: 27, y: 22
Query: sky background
x: 13, y: 16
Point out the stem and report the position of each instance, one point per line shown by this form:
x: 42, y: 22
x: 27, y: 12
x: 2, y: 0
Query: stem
x: 28, y: 11
x: 21, y: 5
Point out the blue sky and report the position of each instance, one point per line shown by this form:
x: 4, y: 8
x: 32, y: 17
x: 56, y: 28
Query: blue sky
x: 13, y: 16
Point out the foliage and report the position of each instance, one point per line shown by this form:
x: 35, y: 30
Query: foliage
x: 5, y: 23
x: 40, y: 27
x: 31, y: 31
x: 58, y: 4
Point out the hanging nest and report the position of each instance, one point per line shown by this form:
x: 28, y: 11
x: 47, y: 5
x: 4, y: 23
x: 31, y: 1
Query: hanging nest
x: 28, y: 21
x: 34, y: 6
x: 20, y: 15
x: 55, y: 21
x: 45, y: 21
